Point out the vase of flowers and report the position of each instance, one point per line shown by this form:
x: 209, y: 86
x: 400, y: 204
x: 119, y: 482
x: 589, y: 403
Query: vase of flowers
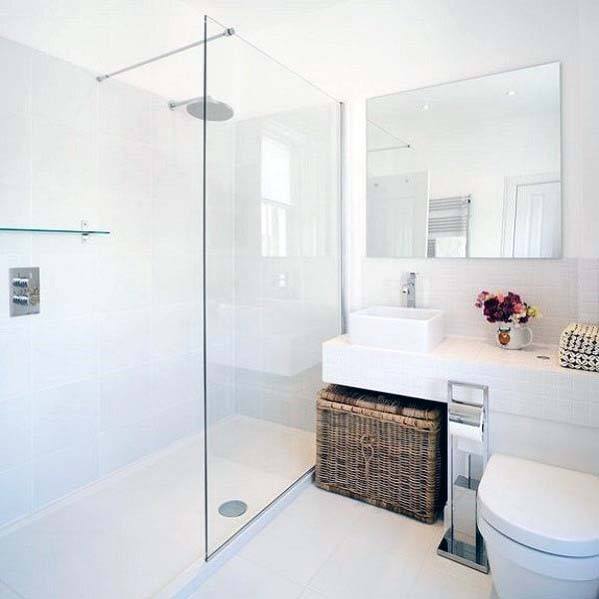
x: 511, y: 314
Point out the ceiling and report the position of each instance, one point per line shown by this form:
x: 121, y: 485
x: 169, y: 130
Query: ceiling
x: 108, y: 34
x: 257, y: 15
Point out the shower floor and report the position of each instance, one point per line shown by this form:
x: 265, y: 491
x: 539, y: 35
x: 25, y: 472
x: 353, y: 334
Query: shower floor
x: 133, y: 533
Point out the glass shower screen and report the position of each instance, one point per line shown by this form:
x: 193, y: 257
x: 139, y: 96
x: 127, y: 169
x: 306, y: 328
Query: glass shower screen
x: 272, y: 275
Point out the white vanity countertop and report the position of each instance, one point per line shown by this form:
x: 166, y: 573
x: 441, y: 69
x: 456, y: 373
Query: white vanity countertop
x: 519, y: 382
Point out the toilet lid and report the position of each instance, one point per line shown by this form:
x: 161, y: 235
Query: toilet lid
x: 544, y: 507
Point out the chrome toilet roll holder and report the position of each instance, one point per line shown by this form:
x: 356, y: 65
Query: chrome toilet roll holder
x: 467, y: 454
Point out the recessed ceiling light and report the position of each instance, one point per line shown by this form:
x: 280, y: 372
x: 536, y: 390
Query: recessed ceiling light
x: 510, y: 92
x: 425, y: 106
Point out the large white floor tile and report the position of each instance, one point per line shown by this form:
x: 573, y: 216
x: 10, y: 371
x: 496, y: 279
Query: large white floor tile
x: 381, y: 558
x: 441, y: 578
x: 254, y: 461
x: 312, y: 594
x: 297, y: 542
x: 239, y: 579
x: 372, y: 554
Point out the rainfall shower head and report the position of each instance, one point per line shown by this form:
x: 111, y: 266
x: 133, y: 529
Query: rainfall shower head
x: 214, y: 110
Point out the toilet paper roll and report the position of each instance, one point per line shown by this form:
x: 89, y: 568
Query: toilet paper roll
x: 468, y: 432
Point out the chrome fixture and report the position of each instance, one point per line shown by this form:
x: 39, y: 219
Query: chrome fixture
x: 24, y: 294
x: 211, y: 108
x: 226, y: 33
x: 467, y: 454
x: 409, y: 290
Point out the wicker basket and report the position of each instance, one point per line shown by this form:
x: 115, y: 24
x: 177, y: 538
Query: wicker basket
x: 382, y: 449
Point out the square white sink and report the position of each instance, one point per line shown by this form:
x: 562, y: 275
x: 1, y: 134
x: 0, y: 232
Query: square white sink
x: 403, y: 329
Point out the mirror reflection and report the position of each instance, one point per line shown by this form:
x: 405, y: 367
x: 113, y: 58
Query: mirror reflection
x: 467, y: 169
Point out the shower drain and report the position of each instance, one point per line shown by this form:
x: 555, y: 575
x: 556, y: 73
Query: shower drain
x: 232, y: 509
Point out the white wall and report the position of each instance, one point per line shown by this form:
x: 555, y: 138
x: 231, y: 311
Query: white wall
x: 110, y: 370
x: 361, y: 49
x: 589, y: 115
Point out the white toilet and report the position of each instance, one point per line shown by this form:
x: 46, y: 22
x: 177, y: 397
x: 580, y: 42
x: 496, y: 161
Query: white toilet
x: 541, y: 528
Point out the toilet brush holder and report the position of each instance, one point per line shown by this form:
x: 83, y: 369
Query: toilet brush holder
x: 467, y: 454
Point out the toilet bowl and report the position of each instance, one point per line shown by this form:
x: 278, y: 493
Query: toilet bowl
x: 540, y: 524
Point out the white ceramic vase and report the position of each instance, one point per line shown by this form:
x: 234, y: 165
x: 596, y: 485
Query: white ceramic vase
x: 510, y: 336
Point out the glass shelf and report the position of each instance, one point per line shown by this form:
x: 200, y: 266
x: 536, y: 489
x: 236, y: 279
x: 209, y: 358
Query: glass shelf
x: 35, y: 230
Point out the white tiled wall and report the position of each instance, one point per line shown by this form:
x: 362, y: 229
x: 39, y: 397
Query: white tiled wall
x: 110, y: 370
x: 565, y: 290
x: 588, y: 290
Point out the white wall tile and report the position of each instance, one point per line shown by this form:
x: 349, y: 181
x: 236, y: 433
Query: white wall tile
x: 170, y: 330
x: 177, y: 380
x: 63, y: 351
x: 59, y: 473
x: 125, y: 187
x: 64, y: 93
x: 15, y: 361
x: 15, y: 64
x: 64, y: 175
x: 126, y: 111
x: 127, y: 444
x: 126, y: 397
x: 452, y: 285
x: 174, y: 278
x: 15, y: 149
x: 124, y: 445
x: 15, y: 431
x: 15, y: 211
x: 124, y: 339
x: 64, y: 416
x: 123, y: 281
x: 67, y: 280
x: 15, y: 492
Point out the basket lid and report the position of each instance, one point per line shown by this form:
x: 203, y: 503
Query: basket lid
x: 381, y: 402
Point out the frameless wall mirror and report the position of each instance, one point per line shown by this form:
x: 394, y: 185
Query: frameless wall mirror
x: 469, y: 169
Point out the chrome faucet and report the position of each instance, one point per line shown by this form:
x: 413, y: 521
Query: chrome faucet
x: 409, y: 290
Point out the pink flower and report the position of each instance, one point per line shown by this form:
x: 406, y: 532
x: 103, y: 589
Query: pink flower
x: 481, y: 298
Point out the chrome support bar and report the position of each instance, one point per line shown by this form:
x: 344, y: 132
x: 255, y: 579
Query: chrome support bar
x: 226, y: 33
x: 173, y: 105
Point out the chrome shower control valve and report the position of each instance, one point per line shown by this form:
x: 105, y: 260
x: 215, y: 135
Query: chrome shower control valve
x: 24, y: 291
